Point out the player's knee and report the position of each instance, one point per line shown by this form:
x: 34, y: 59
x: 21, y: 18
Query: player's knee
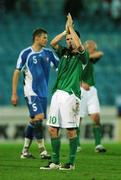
x: 38, y: 129
x: 29, y: 131
x: 71, y: 133
x: 39, y: 116
x: 96, y: 118
x: 53, y: 132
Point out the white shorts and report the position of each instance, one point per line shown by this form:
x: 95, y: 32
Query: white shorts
x: 64, y: 110
x: 89, y: 102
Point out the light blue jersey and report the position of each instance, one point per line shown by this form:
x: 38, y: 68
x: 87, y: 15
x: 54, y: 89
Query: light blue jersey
x: 36, y: 68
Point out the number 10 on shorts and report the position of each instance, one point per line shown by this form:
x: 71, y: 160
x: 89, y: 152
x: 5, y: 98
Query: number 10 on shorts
x: 52, y: 120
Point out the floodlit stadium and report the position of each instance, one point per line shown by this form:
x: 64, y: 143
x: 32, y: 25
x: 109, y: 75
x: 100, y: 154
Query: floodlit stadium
x: 96, y: 20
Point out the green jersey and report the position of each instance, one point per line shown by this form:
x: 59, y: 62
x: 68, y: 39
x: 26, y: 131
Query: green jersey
x: 88, y: 73
x: 70, y: 70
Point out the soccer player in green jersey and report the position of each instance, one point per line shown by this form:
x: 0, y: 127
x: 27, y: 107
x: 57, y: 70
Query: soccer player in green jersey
x: 65, y: 103
x: 89, y: 102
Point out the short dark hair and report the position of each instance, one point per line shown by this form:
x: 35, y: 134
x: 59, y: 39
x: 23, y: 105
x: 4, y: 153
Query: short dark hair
x: 38, y: 32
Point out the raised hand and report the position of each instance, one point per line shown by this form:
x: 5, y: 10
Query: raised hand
x: 69, y: 20
x: 66, y: 27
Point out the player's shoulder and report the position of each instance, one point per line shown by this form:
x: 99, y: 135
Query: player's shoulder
x: 47, y: 50
x: 25, y: 53
x: 26, y: 50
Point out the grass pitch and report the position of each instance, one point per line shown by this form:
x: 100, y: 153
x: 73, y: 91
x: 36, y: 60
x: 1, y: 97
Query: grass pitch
x: 89, y: 165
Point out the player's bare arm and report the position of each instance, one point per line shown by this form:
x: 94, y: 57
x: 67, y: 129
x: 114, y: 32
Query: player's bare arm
x: 96, y: 54
x: 66, y: 27
x: 14, y: 97
x: 59, y: 37
x: 85, y: 86
x: 75, y: 37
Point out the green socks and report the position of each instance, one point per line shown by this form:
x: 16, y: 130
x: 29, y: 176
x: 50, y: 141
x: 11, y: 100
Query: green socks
x: 73, y: 150
x: 55, y: 143
x: 97, y: 134
x: 78, y: 136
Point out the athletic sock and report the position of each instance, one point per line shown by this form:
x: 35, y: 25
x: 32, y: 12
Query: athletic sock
x: 29, y: 133
x: 41, y: 145
x: 73, y: 150
x: 97, y: 134
x: 55, y: 142
x: 78, y: 136
x: 27, y: 143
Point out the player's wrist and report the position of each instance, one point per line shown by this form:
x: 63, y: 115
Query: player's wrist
x: 14, y: 94
x: 64, y: 33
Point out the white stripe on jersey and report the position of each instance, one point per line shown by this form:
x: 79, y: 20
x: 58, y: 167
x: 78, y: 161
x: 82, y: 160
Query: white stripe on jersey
x: 28, y: 91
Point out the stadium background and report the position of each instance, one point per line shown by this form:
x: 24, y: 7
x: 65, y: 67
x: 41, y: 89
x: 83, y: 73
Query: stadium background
x: 95, y: 19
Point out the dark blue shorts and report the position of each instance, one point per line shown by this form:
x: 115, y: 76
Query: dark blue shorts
x: 36, y: 105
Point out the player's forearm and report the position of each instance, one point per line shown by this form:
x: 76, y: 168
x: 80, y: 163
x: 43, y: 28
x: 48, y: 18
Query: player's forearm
x: 96, y: 54
x: 58, y: 38
x: 15, y: 82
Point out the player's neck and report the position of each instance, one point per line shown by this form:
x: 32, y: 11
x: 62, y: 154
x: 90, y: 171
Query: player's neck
x: 36, y: 48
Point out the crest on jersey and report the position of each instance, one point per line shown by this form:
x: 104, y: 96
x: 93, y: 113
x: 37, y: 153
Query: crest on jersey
x: 65, y: 56
x: 47, y: 59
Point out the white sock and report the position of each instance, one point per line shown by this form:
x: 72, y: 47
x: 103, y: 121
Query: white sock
x: 41, y: 145
x: 27, y: 143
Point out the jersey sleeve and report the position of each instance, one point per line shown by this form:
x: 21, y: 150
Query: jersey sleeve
x: 60, y: 51
x: 95, y: 60
x: 21, y: 61
x: 84, y: 56
x: 54, y: 60
x: 22, y: 58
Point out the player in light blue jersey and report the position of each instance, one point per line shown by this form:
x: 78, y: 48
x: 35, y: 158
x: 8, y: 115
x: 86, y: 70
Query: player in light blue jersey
x: 35, y: 62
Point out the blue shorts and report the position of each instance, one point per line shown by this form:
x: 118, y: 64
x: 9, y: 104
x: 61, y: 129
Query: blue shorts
x: 36, y: 105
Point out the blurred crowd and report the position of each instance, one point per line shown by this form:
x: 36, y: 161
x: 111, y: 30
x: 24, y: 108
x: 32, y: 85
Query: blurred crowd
x: 80, y: 8
x: 110, y: 9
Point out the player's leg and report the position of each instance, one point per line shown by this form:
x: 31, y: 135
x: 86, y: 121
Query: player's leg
x: 38, y: 107
x: 55, y: 144
x: 34, y: 129
x: 53, y: 124
x: 28, y: 134
x: 72, y: 136
x: 96, y: 128
x: 83, y: 112
x: 39, y: 135
x: 94, y: 111
x: 70, y: 113
x: 27, y: 142
x: 78, y: 137
x: 97, y: 131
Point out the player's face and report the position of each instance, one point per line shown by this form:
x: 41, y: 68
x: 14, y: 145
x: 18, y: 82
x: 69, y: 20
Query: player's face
x: 42, y: 40
x: 70, y: 42
x: 91, y: 46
